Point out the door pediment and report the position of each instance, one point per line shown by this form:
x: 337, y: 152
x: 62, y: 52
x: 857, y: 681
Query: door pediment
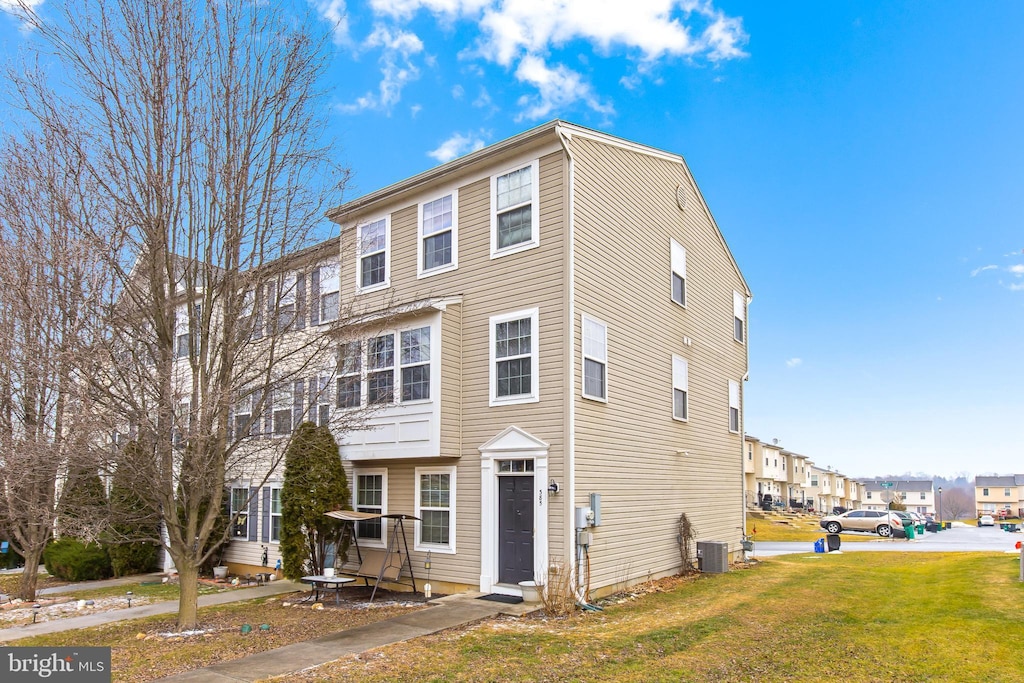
x: 512, y: 439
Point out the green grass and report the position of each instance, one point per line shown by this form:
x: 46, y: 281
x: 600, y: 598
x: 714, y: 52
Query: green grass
x: 796, y: 529
x: 850, y: 617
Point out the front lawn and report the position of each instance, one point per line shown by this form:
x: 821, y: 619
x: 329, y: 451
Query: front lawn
x: 808, y: 529
x: 897, y: 617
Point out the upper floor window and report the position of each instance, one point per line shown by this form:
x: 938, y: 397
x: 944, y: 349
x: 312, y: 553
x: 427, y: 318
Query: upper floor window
x: 187, y: 340
x: 513, y: 343
x: 282, y: 409
x: 984, y: 492
x: 243, y: 418
x: 438, y: 243
x: 320, y: 401
x: 814, y: 480
x: 595, y: 359
x: 750, y: 452
x: 435, y: 506
x: 327, y: 297
x: 514, y: 221
x: 739, y: 316
x: 734, y: 406
x: 373, y: 242
x: 680, y: 388
x: 922, y: 495
x: 411, y: 373
x: 286, y: 309
x: 678, y: 273
x: 869, y: 495
x: 1006, y: 492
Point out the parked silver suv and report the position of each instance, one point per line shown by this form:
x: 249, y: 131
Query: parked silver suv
x: 880, y: 522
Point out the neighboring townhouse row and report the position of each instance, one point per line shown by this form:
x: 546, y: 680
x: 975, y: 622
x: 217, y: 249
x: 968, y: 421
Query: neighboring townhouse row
x: 555, y: 342
x: 918, y: 495
x: 997, y: 495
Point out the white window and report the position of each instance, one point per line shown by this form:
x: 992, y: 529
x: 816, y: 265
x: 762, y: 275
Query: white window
x: 245, y: 320
x: 322, y: 400
x: 435, y: 506
x: 243, y: 417
x: 595, y: 359
x: 1006, y: 492
x: 734, y: 406
x: 275, y: 514
x: 514, y: 217
x: 678, y: 273
x: 373, y: 240
x: 186, y: 343
x: 350, y: 384
x: 239, y: 512
x: 380, y: 370
x: 438, y: 243
x: 286, y: 304
x: 514, y: 372
x: 922, y: 495
x: 371, y: 495
x: 680, y: 388
x: 282, y: 408
x: 415, y: 360
x: 330, y: 287
x: 739, y: 316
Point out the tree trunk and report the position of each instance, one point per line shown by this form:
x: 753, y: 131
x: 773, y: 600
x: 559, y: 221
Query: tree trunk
x: 188, y: 597
x: 30, y: 575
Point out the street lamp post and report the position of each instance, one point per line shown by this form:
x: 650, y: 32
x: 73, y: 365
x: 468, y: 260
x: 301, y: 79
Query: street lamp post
x: 940, y: 507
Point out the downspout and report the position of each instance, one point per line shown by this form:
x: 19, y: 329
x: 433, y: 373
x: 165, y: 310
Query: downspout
x: 743, y: 421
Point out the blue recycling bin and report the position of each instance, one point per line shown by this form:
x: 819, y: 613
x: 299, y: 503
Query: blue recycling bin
x: 819, y: 545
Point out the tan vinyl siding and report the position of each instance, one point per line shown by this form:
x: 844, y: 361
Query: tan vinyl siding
x: 451, y: 381
x: 629, y: 448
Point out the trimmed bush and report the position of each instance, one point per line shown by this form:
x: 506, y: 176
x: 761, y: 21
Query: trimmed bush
x: 71, y: 560
x: 133, y: 558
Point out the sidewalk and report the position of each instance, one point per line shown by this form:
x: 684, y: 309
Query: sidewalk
x: 448, y: 612
x: 166, y: 607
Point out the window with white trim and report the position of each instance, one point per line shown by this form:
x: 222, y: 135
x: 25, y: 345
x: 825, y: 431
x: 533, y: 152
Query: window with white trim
x: 435, y: 506
x: 680, y: 388
x: 514, y: 218
x: 243, y: 327
x: 595, y: 359
x: 514, y: 371
x: 286, y: 309
x: 243, y: 416
x: 1006, y: 492
x: 438, y: 243
x: 373, y: 241
x: 322, y: 400
x: 734, y: 406
x: 282, y: 408
x: 739, y: 316
x: 275, y: 514
x: 330, y: 292
x: 240, y: 512
x: 371, y: 495
x: 380, y: 370
x: 415, y: 361
x: 678, y: 273
x: 350, y: 382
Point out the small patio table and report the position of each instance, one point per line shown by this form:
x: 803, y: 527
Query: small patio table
x: 323, y: 584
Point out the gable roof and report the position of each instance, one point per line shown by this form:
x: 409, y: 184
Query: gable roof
x: 1004, y: 480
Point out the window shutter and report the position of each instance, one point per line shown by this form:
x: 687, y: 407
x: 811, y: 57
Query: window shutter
x: 314, y: 297
x: 265, y: 518
x: 254, y: 415
x: 297, y: 401
x: 257, y: 314
x: 300, y: 300
x: 254, y: 502
x: 268, y: 413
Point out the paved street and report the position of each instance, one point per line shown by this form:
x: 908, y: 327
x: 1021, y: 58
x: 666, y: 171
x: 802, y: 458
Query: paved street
x: 957, y: 539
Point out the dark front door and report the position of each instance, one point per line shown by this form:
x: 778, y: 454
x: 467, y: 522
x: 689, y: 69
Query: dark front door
x: 515, y: 529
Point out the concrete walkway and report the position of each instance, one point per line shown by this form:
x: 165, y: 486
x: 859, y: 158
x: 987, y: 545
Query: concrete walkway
x: 165, y: 607
x: 448, y: 612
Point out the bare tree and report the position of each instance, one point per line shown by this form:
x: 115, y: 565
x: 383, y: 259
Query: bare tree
x: 956, y: 503
x: 204, y: 123
x: 52, y: 285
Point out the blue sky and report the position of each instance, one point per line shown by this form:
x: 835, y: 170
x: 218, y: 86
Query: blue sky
x: 865, y: 162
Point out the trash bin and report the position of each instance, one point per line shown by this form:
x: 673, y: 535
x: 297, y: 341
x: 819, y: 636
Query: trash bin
x: 833, y: 542
x: 932, y: 527
x: 909, y: 531
x: 819, y: 545
x: 947, y: 525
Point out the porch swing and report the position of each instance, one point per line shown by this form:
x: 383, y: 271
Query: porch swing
x: 379, y: 565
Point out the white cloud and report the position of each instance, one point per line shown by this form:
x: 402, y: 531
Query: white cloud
x: 415, y: 109
x: 556, y: 88
x: 404, y: 9
x: 457, y: 145
x: 458, y: 91
x: 1016, y: 286
x: 974, y: 273
x: 334, y: 13
x: 794, y: 362
x: 397, y: 68
x: 1017, y: 270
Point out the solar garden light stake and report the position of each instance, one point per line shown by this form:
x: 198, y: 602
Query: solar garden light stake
x: 426, y: 586
x: 129, y: 596
x: 35, y: 611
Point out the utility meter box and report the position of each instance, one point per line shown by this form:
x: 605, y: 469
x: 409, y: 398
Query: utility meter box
x: 584, y: 517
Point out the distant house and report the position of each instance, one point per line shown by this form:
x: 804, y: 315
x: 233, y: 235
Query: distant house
x: 565, y: 347
x: 1000, y: 495
x: 918, y: 495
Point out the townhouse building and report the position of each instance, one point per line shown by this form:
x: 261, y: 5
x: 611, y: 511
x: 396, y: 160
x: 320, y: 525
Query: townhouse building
x: 918, y: 495
x: 551, y: 348
x: 995, y: 495
x: 796, y: 479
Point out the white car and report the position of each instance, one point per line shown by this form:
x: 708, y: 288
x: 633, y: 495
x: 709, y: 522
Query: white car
x: 986, y: 520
